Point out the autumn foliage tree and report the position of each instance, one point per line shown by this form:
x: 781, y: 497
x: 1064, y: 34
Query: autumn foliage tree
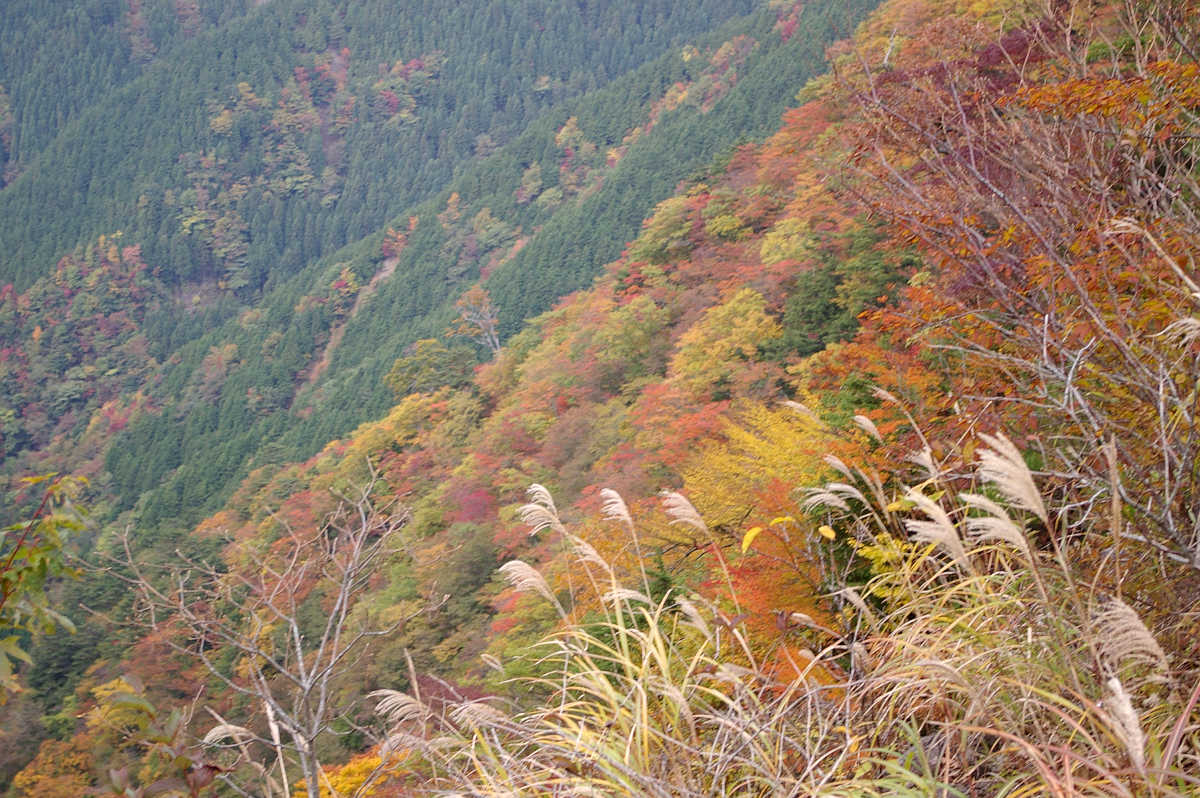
x: 1053, y: 190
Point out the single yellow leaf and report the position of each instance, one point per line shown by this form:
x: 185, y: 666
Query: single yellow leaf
x: 827, y: 532
x: 749, y: 537
x: 783, y: 519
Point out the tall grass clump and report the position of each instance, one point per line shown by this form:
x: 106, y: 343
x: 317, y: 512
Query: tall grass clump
x: 642, y: 696
x: 980, y: 650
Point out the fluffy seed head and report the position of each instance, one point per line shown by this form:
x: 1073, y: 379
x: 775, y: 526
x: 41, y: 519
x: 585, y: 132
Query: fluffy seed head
x: 939, y: 530
x: 1003, y: 466
x: 525, y: 578
x: 681, y: 511
x: 614, y: 507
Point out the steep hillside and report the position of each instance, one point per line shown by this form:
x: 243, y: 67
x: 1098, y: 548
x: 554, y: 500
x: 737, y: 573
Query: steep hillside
x: 867, y: 468
x: 233, y: 370
x: 212, y: 331
x: 330, y: 120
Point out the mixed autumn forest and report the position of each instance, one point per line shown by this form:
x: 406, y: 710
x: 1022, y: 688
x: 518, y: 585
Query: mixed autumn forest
x: 600, y: 398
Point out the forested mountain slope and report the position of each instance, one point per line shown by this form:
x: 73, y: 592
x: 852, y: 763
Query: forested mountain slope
x: 360, y: 102
x: 241, y: 210
x: 867, y: 468
x: 182, y: 309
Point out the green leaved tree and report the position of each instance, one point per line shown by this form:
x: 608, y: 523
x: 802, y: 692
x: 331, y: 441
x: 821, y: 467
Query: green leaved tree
x: 32, y: 554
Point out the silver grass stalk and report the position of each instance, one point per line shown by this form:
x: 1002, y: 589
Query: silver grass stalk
x: 846, y: 491
x: 1126, y: 225
x: 884, y: 396
x: 868, y: 426
x: 924, y: 459
x: 614, y: 508
x: 856, y: 600
x: 225, y: 731
x: 837, y: 464
x: 397, y: 707
x: 802, y: 410
x: 860, y: 658
x: 681, y: 511
x: 538, y: 494
x: 540, y: 513
x: 733, y: 674
x: 694, y: 617
x: 800, y: 619
x: 477, y: 714
x: 940, y: 530
x: 1123, y: 640
x: 1125, y: 722
x: 402, y: 741
x: 537, y: 518
x: 525, y: 578
x: 586, y: 552
x: 667, y: 688
x: 820, y: 497
x: 1182, y: 332
x: 996, y: 525
x: 873, y: 481
x: 1003, y: 466
x: 619, y: 595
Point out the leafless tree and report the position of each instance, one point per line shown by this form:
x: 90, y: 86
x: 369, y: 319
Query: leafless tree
x: 478, y: 318
x: 289, y: 614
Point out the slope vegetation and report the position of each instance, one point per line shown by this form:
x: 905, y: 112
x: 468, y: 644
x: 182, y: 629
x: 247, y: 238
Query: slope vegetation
x: 923, y: 364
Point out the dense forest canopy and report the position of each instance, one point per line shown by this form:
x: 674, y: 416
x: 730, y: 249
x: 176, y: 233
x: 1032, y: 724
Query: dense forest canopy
x: 234, y: 228
x: 225, y: 222
x: 781, y: 399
